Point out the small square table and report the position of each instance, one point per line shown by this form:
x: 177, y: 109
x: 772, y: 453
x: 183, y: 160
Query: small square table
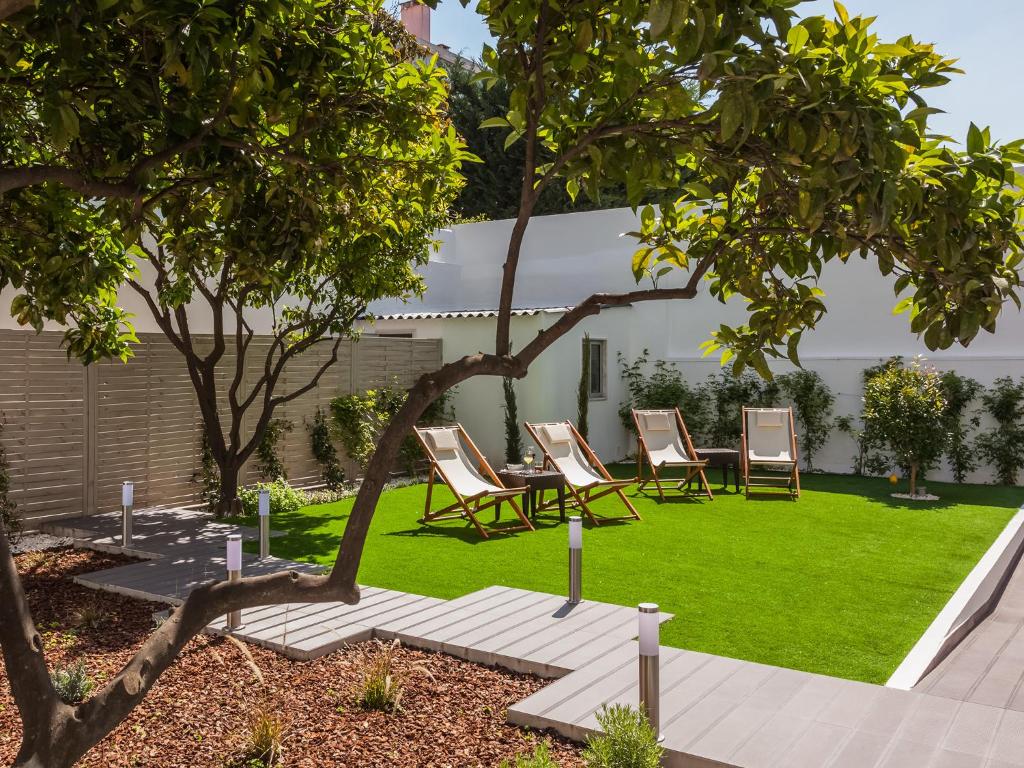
x: 536, y: 481
x: 724, y: 458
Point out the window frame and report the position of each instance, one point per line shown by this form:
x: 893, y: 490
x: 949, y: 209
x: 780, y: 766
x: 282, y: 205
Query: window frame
x: 602, y: 375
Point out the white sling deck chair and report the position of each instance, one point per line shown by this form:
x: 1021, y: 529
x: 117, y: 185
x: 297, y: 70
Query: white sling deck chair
x: 446, y: 449
x: 585, y: 476
x: 769, y: 440
x: 663, y: 442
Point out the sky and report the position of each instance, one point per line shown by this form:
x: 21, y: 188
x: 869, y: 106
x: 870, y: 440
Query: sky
x: 985, y: 35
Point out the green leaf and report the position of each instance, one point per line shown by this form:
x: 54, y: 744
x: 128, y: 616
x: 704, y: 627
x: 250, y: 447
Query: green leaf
x: 659, y: 16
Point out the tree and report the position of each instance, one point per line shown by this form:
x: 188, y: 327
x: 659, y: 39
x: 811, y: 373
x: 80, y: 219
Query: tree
x: 812, y: 401
x: 311, y: 224
x: 905, y: 407
x: 493, y: 184
x: 583, y: 390
x: 601, y: 88
x: 513, y: 435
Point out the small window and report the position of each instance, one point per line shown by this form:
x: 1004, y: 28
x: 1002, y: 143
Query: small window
x: 598, y: 368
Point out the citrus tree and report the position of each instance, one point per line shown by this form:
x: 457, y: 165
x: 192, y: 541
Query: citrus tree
x: 905, y: 407
x: 795, y: 144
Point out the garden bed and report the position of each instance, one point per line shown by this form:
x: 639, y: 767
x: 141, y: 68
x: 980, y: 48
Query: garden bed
x: 452, y: 712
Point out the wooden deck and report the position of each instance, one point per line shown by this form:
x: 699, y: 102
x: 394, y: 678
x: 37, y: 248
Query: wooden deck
x: 716, y: 711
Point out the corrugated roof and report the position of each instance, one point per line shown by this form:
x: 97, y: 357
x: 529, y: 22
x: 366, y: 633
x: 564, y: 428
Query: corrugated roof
x: 447, y: 314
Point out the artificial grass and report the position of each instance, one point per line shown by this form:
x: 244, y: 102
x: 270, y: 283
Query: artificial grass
x: 841, y: 582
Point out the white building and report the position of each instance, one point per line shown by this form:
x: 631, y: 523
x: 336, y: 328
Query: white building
x: 567, y: 257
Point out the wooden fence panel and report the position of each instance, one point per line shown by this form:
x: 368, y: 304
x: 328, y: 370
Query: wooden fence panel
x: 72, y: 434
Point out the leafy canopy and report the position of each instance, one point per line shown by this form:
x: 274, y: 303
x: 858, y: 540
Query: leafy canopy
x: 287, y: 146
x: 790, y: 144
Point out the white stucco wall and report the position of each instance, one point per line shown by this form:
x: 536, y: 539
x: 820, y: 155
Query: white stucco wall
x: 567, y: 257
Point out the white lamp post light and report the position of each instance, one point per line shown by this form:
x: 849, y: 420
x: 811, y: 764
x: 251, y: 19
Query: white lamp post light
x: 234, y: 558
x: 264, y: 508
x: 127, y: 505
x: 650, y: 694
x: 575, y: 560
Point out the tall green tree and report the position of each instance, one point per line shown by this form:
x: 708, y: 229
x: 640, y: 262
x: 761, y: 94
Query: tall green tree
x: 601, y: 95
x: 905, y: 408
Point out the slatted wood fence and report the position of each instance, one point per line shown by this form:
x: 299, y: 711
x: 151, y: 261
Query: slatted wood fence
x: 72, y: 433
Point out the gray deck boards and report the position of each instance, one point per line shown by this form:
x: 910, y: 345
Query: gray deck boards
x: 715, y: 711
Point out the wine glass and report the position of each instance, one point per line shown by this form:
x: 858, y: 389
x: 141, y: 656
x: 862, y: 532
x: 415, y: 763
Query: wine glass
x: 528, y: 458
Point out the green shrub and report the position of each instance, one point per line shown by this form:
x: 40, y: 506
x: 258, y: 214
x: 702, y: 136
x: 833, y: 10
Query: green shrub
x: 812, y: 405
x: 628, y: 741
x: 71, y: 682
x: 583, y: 392
x: 729, y: 394
x: 268, y: 461
x: 324, y: 451
x: 663, y: 387
x: 513, y: 434
x: 361, y: 419
x: 264, y: 736
x: 905, y: 407
x: 10, y: 524
x: 283, y: 498
x: 1003, y: 446
x: 960, y: 392
x: 539, y: 758
x: 381, y: 685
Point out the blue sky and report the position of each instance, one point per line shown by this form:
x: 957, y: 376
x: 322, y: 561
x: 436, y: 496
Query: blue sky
x: 986, y: 35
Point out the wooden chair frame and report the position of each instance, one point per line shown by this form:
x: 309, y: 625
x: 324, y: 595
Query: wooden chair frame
x: 694, y: 467
x: 469, y: 507
x: 584, y: 494
x: 792, y: 482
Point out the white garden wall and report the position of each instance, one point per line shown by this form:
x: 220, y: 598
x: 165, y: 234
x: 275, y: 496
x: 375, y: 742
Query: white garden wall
x: 567, y: 257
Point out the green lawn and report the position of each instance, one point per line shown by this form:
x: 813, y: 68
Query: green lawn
x: 841, y: 582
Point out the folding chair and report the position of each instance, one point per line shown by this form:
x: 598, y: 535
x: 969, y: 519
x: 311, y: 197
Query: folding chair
x: 445, y: 448
x: 585, y: 476
x: 769, y: 440
x: 663, y: 442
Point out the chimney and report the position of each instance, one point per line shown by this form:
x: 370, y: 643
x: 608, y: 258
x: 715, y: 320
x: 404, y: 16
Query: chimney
x: 416, y: 19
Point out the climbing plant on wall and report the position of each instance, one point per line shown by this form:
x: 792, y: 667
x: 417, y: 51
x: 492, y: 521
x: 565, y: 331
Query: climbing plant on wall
x: 9, y: 521
x: 812, y: 404
x: 1003, y: 446
x: 960, y: 392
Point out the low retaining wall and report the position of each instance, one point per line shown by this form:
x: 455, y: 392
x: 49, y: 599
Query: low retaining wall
x: 975, y: 599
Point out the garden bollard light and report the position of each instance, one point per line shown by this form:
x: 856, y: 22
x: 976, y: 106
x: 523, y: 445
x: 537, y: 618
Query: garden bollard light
x: 264, y: 508
x: 650, y: 693
x: 127, y: 504
x: 234, y: 574
x: 575, y: 560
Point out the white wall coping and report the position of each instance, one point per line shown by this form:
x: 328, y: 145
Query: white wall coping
x: 973, y: 600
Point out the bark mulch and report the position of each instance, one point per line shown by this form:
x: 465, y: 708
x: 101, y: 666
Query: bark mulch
x: 452, y: 712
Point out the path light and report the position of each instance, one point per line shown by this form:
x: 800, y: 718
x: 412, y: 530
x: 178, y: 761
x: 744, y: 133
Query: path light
x: 127, y: 505
x: 234, y: 574
x: 264, y: 507
x: 575, y: 560
x: 650, y: 694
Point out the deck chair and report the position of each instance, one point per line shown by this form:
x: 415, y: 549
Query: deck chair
x: 566, y: 451
x: 769, y: 440
x: 663, y: 442
x: 474, y: 489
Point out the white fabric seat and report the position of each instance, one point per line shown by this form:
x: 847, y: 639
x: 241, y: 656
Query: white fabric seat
x: 662, y: 440
x: 769, y: 439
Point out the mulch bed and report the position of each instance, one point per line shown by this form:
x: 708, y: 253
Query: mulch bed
x: 452, y: 712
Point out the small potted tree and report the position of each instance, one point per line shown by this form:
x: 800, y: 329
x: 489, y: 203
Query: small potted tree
x: 905, y: 408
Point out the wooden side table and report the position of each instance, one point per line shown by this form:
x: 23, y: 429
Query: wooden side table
x: 724, y: 458
x: 537, y: 481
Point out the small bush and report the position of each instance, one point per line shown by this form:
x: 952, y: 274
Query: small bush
x: 263, y: 739
x: 628, y: 741
x: 283, y: 498
x: 90, y: 615
x: 324, y: 451
x: 72, y: 684
x: 381, y: 686
x: 1003, y: 446
x: 812, y: 403
x: 905, y: 407
x: 268, y: 461
x: 540, y: 758
x: 10, y: 525
x: 328, y: 495
x: 663, y: 387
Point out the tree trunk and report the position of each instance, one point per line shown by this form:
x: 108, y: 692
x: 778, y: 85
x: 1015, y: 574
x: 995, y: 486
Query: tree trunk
x: 913, y: 478
x: 228, y: 503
